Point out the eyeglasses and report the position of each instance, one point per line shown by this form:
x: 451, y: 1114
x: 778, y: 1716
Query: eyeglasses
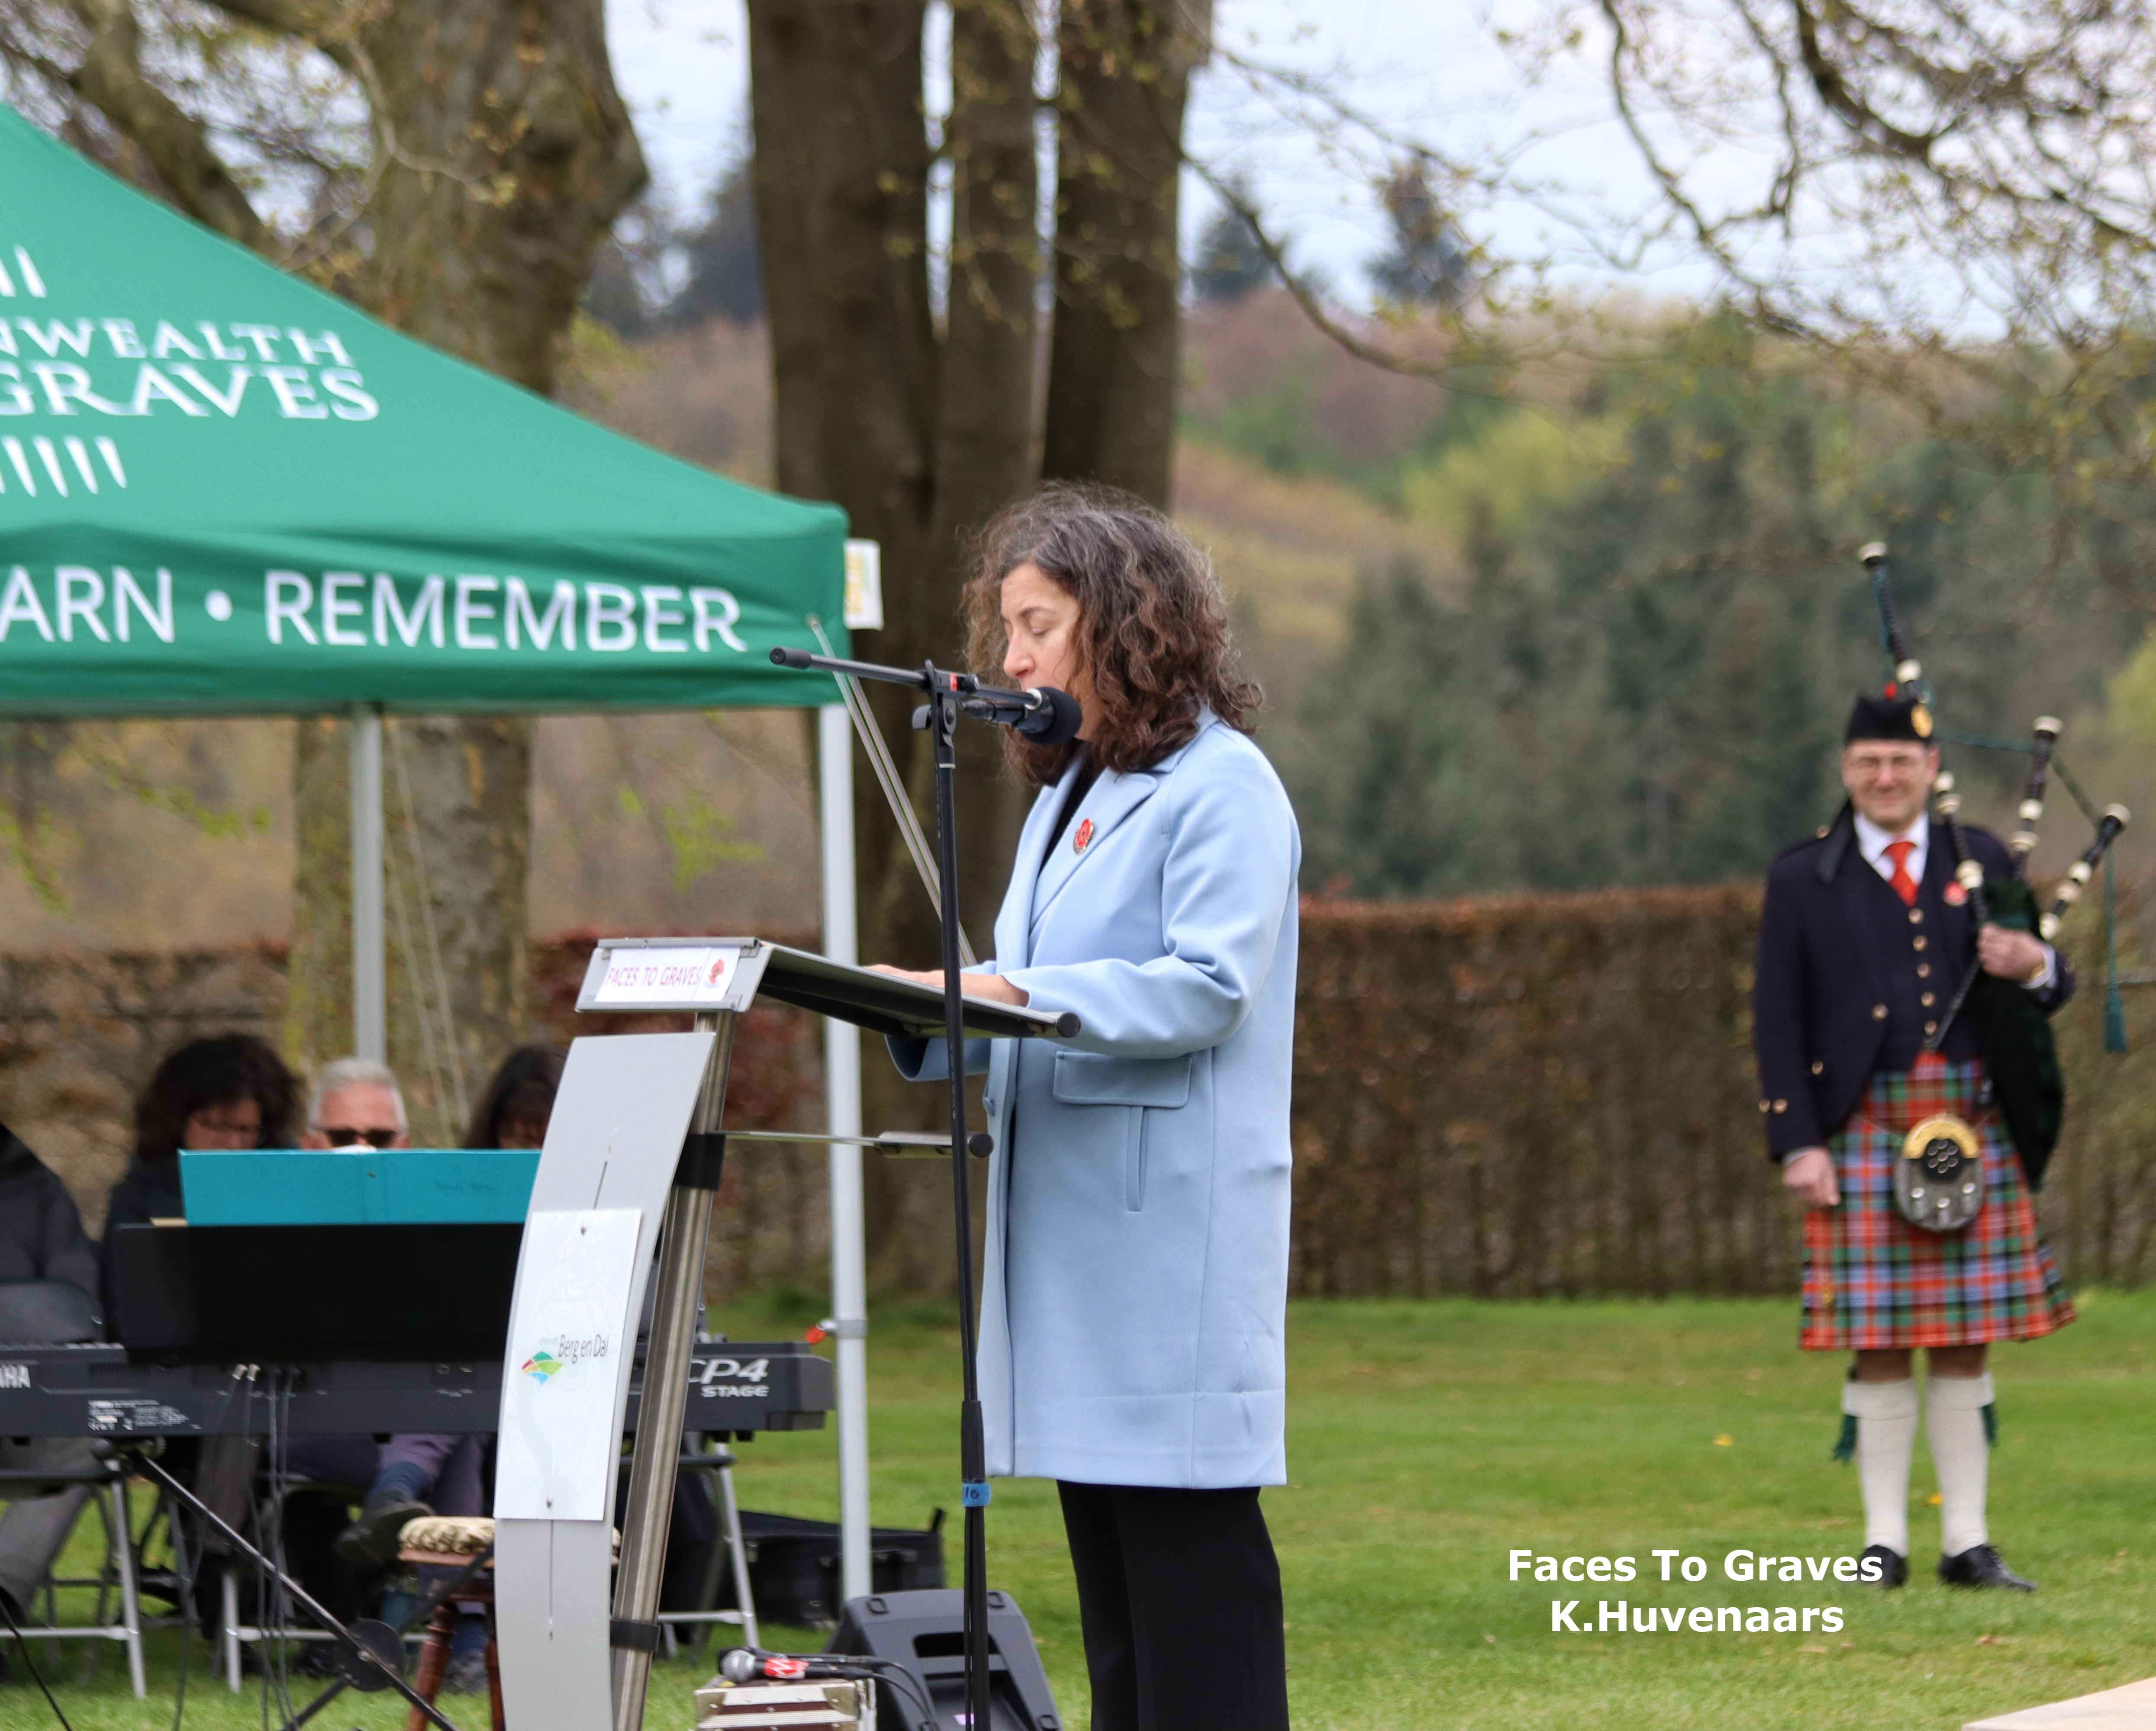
x: 1903, y: 768
x: 344, y: 1136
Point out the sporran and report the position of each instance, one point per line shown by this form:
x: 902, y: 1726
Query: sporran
x: 1938, y: 1181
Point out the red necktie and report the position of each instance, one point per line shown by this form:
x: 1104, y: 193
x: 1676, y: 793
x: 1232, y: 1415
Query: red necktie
x: 1905, y: 886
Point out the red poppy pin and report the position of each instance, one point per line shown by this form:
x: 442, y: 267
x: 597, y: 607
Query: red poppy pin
x: 1956, y: 895
x: 1084, y: 837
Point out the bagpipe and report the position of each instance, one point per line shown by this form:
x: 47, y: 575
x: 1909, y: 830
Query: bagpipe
x: 2021, y: 1055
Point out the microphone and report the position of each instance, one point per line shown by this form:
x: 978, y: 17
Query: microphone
x: 1052, y: 718
x: 1041, y: 714
x: 745, y: 1664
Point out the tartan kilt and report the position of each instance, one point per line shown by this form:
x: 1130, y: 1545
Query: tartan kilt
x: 1871, y: 1280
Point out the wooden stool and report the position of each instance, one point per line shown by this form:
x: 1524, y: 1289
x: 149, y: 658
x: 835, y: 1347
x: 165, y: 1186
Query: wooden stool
x: 421, y: 1539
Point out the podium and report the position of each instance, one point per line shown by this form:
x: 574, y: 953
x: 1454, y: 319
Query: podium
x: 620, y: 1212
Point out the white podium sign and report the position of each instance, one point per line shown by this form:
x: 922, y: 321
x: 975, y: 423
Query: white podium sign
x: 704, y: 975
x: 559, y: 1440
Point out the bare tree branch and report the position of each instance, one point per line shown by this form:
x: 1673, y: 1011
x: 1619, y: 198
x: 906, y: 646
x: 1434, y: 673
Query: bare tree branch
x: 110, y: 76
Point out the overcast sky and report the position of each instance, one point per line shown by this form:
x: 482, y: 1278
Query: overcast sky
x: 1428, y: 69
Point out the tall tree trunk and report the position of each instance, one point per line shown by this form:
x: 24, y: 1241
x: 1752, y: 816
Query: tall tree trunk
x: 511, y: 153
x: 984, y: 435
x: 464, y: 843
x: 920, y: 439
x: 1116, y: 349
x: 514, y: 154
x: 318, y: 972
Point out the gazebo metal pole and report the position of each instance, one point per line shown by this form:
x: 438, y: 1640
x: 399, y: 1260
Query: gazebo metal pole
x: 842, y: 1095
x: 370, y: 987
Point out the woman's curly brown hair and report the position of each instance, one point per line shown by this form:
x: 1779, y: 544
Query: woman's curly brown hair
x: 1153, y: 625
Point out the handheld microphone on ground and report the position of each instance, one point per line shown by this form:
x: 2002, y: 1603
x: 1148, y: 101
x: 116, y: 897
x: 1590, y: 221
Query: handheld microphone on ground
x: 750, y: 1664
x: 746, y: 1664
x: 2115, y: 818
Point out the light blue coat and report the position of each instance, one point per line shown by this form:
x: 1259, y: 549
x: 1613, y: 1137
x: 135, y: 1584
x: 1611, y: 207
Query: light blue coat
x: 1134, y: 1293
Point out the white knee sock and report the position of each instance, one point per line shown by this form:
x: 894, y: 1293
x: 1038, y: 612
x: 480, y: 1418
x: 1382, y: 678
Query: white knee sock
x: 1953, y: 1427
x: 1885, y: 1414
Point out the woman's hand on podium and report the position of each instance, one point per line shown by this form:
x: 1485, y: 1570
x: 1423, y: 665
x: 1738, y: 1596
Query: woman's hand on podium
x: 993, y: 987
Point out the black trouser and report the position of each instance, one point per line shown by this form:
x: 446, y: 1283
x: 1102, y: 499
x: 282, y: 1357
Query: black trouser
x: 1179, y: 1592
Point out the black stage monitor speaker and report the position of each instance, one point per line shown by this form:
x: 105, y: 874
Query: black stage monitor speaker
x: 924, y: 1632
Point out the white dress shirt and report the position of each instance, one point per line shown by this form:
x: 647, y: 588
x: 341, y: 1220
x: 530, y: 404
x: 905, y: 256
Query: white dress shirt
x: 1873, y: 843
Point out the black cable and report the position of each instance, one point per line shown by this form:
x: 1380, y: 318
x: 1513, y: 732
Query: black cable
x: 186, y: 1651
x: 914, y: 1688
x: 185, y: 1577
x: 23, y: 1647
x: 268, y: 1600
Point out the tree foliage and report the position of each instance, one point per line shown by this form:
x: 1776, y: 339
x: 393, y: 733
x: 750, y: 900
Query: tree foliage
x: 661, y: 270
x: 1956, y: 201
x: 1231, y: 259
x: 1639, y: 671
x: 1427, y: 263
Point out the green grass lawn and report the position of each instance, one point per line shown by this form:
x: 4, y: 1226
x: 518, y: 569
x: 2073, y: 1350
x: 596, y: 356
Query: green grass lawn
x: 1428, y: 1440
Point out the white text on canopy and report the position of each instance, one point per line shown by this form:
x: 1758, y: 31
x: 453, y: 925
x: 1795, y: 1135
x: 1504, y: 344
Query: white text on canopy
x: 475, y: 610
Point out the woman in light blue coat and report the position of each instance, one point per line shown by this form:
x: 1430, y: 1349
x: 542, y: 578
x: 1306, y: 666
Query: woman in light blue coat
x: 1135, y: 1287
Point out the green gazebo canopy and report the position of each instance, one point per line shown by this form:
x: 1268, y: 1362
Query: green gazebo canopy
x: 223, y: 490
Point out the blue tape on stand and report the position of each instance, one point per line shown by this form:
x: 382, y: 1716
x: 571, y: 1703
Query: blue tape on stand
x: 974, y: 1494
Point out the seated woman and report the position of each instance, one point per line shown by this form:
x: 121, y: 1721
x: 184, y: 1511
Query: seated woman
x: 226, y: 1091
x: 514, y: 1111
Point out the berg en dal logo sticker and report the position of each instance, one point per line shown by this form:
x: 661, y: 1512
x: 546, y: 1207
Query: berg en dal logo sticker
x: 555, y: 1354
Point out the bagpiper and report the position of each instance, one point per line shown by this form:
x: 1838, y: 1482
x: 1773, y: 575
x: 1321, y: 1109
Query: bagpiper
x: 1920, y: 1230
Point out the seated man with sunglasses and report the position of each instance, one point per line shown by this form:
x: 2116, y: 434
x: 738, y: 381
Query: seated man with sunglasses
x: 358, y: 1104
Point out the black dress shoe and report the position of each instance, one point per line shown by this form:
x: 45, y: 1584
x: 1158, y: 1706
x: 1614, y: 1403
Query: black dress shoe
x: 371, y: 1541
x: 1893, y: 1566
x: 1978, y: 1566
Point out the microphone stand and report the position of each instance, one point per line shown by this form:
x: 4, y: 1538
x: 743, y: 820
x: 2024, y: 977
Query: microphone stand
x: 950, y: 696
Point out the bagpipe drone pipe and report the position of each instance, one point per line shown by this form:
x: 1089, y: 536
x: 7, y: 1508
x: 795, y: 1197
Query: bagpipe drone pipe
x: 2021, y: 1057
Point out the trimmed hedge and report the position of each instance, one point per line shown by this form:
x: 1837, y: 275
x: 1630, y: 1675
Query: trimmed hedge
x: 1518, y: 1097
x: 1539, y: 1095
x: 1532, y: 1095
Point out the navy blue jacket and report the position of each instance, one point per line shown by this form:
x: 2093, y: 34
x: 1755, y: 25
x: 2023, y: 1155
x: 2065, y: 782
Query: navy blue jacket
x: 1843, y: 972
